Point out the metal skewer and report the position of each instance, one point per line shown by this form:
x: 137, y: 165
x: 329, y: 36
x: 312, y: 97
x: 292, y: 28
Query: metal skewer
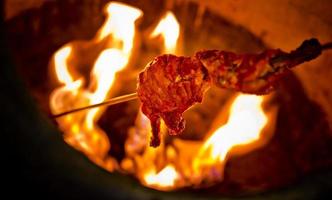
x: 108, y: 102
x: 327, y: 46
x: 132, y: 96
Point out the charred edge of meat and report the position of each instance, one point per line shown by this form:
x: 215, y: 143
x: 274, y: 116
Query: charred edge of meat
x: 308, y: 50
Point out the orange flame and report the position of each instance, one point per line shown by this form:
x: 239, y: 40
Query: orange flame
x: 173, y: 164
x: 62, y: 71
x: 244, y: 126
x: 120, y: 23
x: 169, y: 28
x: 164, y: 179
x: 81, y: 129
x: 185, y: 162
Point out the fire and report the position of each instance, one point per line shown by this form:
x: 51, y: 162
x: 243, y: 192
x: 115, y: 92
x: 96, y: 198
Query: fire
x: 62, y: 71
x: 102, y: 79
x: 245, y: 123
x: 174, y: 164
x: 120, y: 24
x: 169, y: 29
x: 244, y: 126
x: 185, y: 162
x: 164, y: 179
x: 81, y: 129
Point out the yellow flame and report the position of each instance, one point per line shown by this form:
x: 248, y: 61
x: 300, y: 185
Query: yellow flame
x: 169, y: 28
x: 64, y: 76
x: 245, y: 123
x: 244, y: 126
x: 120, y: 23
x: 172, y: 165
x: 104, y: 76
x: 61, y: 59
x: 81, y: 129
x: 198, y: 162
x: 163, y: 179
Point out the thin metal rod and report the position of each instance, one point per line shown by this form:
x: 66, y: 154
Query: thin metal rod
x: 327, y: 46
x: 109, y: 102
x: 133, y: 96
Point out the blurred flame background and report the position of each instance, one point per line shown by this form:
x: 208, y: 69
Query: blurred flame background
x: 170, y: 166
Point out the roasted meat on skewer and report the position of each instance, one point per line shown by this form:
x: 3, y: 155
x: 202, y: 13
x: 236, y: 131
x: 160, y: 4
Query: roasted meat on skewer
x: 169, y: 85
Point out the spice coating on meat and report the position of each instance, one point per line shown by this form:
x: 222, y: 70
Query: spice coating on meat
x: 248, y: 73
x: 169, y: 86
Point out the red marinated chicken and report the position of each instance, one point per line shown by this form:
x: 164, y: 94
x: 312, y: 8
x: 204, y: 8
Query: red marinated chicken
x: 169, y: 85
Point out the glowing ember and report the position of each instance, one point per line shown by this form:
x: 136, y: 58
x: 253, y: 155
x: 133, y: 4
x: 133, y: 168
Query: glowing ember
x: 174, y: 164
x: 164, y: 179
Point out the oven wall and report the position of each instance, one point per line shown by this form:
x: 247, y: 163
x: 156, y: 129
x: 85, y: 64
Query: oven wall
x: 285, y: 24
x: 15, y: 7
